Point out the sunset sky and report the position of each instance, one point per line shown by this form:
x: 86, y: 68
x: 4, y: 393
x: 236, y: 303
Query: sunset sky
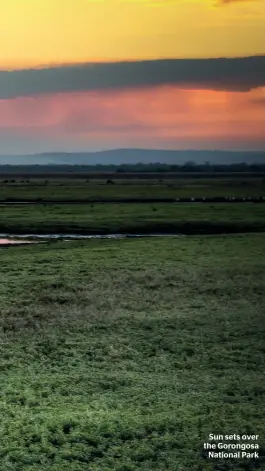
x: 79, y: 75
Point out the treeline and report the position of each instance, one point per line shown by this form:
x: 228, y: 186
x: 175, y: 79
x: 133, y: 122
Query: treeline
x: 134, y: 168
x: 189, y: 167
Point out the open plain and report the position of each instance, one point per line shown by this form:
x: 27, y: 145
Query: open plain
x: 124, y: 355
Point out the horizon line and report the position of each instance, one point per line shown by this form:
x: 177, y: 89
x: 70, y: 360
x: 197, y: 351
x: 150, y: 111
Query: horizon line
x: 138, y: 149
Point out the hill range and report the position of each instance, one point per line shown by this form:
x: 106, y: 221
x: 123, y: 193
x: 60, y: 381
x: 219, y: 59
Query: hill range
x: 134, y: 156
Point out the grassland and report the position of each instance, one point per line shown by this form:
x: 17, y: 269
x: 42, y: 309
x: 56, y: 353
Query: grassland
x: 125, y: 188
x: 133, y: 218
x: 124, y: 355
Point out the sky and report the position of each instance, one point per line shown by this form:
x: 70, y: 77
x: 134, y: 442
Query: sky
x: 86, y: 75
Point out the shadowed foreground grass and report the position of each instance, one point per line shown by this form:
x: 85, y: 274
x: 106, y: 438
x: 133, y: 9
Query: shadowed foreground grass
x: 124, y: 355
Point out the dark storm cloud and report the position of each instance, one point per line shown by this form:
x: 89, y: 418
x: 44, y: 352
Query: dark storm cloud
x: 239, y: 74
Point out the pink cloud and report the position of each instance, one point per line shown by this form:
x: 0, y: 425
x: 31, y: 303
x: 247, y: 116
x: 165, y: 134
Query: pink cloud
x: 157, y: 115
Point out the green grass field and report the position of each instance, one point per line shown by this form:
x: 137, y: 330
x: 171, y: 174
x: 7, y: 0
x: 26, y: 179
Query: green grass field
x: 124, y: 355
x: 112, y: 218
x: 175, y: 188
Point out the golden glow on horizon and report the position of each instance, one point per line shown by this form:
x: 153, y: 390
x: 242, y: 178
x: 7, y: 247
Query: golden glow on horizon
x: 44, y: 32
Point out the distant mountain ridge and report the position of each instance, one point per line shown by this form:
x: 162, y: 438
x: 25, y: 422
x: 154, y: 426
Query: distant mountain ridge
x: 135, y: 156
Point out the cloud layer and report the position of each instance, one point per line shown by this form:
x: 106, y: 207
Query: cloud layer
x: 238, y: 74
